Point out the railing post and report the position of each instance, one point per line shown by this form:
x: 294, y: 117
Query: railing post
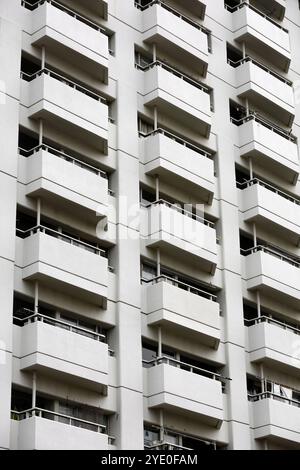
x: 36, y: 297
x: 43, y: 57
x: 33, y: 391
x: 159, y: 334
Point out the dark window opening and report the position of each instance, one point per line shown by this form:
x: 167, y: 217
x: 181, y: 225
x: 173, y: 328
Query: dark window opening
x: 246, y: 241
x: 30, y: 65
x: 254, y: 385
x: 237, y: 112
x: 234, y: 55
x: 241, y: 175
x: 27, y: 140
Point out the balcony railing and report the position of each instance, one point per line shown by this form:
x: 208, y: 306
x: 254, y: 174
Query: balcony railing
x: 261, y: 66
x: 185, y: 366
x: 165, y: 445
x: 63, y: 156
x: 274, y: 396
x: 254, y: 181
x: 272, y: 321
x: 175, y: 72
x: 181, y: 285
x: 38, y: 317
x: 66, y: 81
x: 178, y: 208
x: 259, y: 12
x: 61, y: 236
x: 179, y: 140
x: 69, y: 11
x: 268, y: 124
x: 293, y: 261
x: 176, y: 13
x: 58, y: 417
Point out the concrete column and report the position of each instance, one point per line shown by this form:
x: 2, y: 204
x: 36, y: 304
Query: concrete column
x: 127, y: 426
x: 10, y: 58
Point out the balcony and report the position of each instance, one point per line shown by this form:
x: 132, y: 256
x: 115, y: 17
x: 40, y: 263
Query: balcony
x: 272, y: 273
x: 266, y: 89
x: 180, y: 233
x: 260, y: 32
x: 38, y: 429
x: 178, y: 96
x: 271, y: 147
x: 175, y: 34
x: 276, y: 417
x: 89, y: 8
x: 179, y: 162
x: 271, y: 208
x: 69, y: 35
x: 277, y: 7
x: 274, y: 343
x: 50, y: 172
x: 74, y: 354
x: 187, y: 390
x: 182, y: 308
x: 195, y: 8
x: 65, y: 263
x: 75, y: 109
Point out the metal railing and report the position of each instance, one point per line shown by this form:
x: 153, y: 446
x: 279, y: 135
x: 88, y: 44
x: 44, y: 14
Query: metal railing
x: 268, y: 124
x: 64, y: 156
x: 172, y: 70
x: 61, y: 236
x: 272, y: 321
x: 38, y: 317
x: 255, y: 181
x: 181, y: 210
x: 261, y: 66
x: 185, y: 366
x: 274, y: 396
x: 176, y: 13
x: 179, y: 140
x: 69, y: 11
x: 181, y: 285
x: 256, y: 10
x: 293, y: 261
x: 58, y: 417
x: 165, y: 445
x: 66, y: 81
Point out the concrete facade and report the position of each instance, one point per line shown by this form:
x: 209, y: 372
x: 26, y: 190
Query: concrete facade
x: 150, y: 224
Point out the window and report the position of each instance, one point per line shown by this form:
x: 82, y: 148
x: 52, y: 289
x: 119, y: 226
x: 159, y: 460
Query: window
x: 151, y: 436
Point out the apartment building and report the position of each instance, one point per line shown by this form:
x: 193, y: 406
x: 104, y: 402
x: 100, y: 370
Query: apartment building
x: 150, y: 224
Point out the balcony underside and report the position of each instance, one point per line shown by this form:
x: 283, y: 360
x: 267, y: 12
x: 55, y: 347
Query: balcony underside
x: 256, y: 41
x: 278, y: 225
x: 94, y: 135
x: 73, y: 203
x: 58, y: 370
x: 196, y: 7
x: 182, y: 326
x: 169, y: 172
x: 92, y: 8
x: 268, y: 159
x: 65, y: 50
x: 172, y: 107
x: 206, y: 260
x: 166, y: 402
x: 275, y: 290
x: 55, y: 279
x: 180, y: 53
x: 262, y: 99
